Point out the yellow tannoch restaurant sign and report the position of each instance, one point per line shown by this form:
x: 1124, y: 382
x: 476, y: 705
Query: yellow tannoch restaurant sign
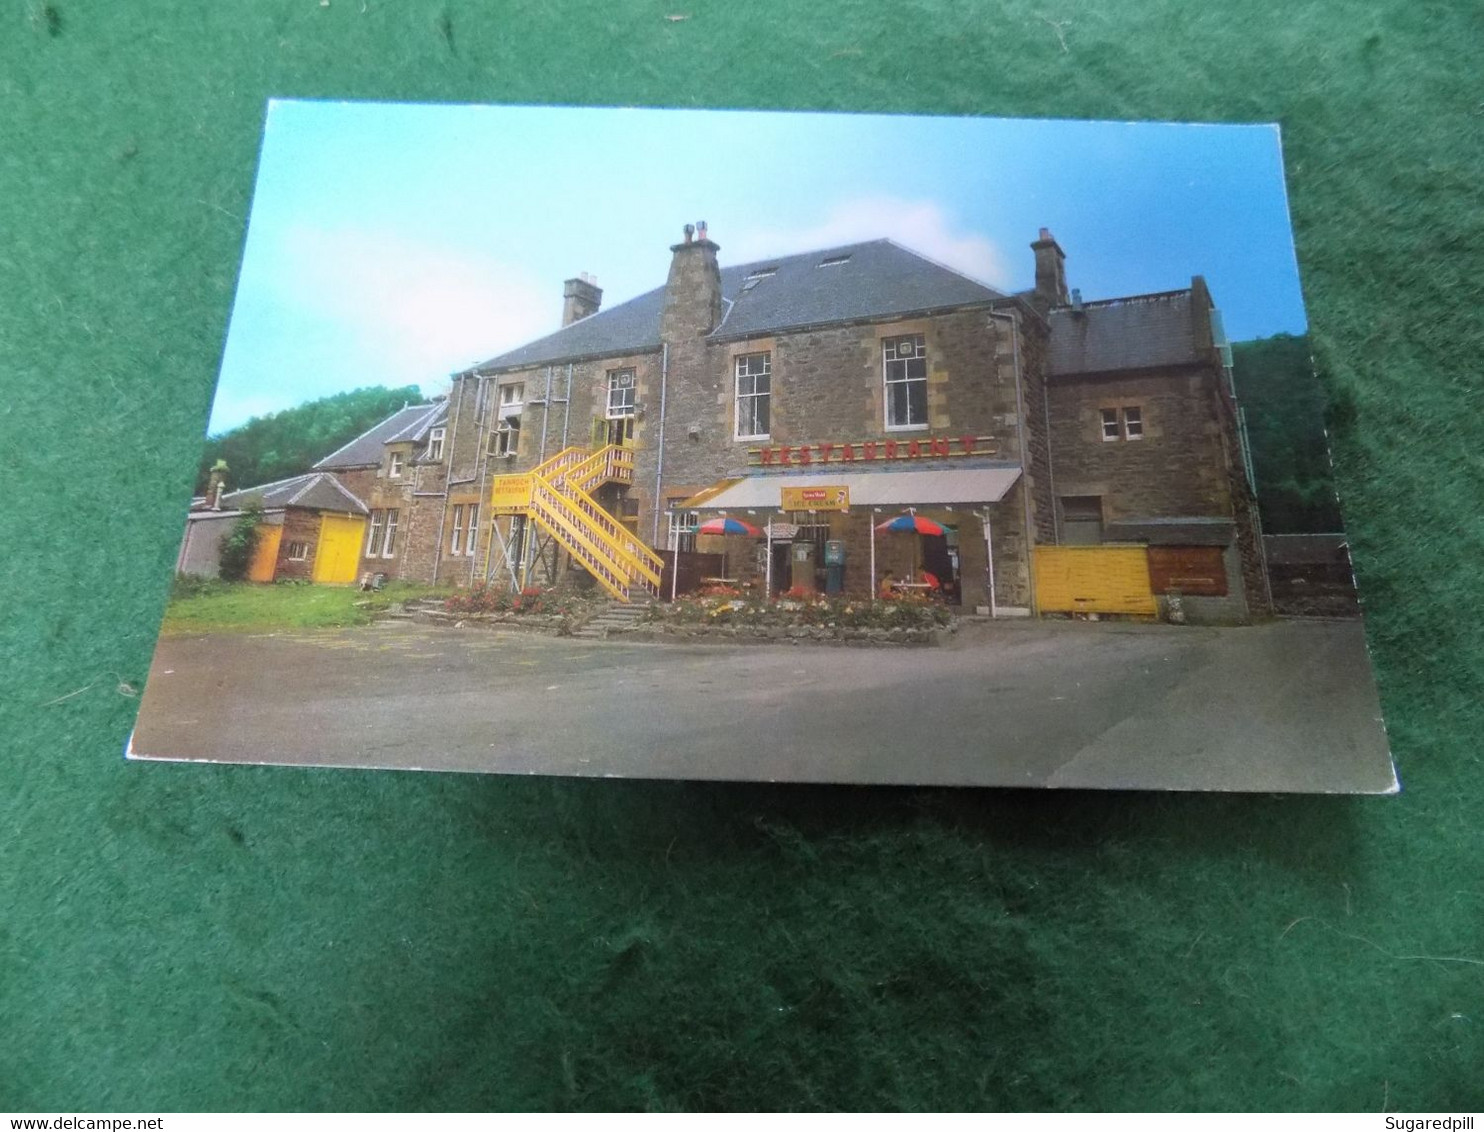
x: 869, y: 451
x: 825, y: 497
x: 510, y: 493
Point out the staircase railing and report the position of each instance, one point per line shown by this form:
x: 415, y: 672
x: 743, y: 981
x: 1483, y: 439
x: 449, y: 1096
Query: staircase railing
x: 609, y: 464
x: 560, y: 502
x: 558, y: 515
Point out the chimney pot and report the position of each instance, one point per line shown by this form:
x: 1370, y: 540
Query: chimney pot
x: 701, y: 229
x: 690, y: 232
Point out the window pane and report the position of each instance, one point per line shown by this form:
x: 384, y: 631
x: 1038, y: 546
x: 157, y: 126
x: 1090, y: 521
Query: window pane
x: 898, y: 411
x: 917, y: 402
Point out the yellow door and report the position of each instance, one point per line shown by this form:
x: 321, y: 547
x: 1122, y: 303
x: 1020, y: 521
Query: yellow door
x: 339, y: 550
x: 1094, y: 579
x: 265, y: 554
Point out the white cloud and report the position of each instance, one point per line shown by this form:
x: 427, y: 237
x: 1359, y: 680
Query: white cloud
x: 920, y: 225
x: 424, y: 309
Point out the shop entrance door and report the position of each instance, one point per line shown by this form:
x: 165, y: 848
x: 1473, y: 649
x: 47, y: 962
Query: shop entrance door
x: 783, y: 577
x: 941, y: 561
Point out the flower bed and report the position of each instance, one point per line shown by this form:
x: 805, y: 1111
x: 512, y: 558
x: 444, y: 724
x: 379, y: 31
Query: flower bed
x: 486, y: 598
x: 556, y: 610
x: 797, y: 616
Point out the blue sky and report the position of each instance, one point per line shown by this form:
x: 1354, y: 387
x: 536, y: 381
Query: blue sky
x: 394, y: 244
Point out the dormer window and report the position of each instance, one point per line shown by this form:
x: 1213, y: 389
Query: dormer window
x: 394, y: 466
x: 834, y: 260
x: 435, y: 443
x: 755, y: 277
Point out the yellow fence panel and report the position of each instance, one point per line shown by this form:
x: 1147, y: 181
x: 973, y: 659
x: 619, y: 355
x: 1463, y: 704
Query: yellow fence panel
x: 339, y: 552
x: 1094, y: 579
x: 265, y: 554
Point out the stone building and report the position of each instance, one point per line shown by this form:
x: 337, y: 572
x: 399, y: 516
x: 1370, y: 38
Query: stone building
x: 308, y: 527
x: 399, y: 468
x: 1076, y: 456
x: 1036, y: 429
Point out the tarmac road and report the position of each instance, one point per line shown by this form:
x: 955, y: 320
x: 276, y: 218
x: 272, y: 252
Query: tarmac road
x: 1287, y: 706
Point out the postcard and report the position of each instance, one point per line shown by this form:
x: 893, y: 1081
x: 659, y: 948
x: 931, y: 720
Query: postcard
x: 770, y: 447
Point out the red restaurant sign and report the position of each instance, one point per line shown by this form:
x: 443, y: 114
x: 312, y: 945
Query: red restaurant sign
x: 869, y: 451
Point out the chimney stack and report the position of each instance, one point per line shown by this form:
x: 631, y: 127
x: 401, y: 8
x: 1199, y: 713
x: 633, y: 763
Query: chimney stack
x: 216, y: 485
x: 1051, y: 270
x: 580, y: 297
x: 693, y: 290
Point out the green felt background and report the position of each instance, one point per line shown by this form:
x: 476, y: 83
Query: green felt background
x: 179, y: 937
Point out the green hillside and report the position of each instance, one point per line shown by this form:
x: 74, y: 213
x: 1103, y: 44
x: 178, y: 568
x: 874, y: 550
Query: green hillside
x: 287, y: 443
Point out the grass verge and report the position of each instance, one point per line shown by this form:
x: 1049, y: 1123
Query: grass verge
x: 215, y: 607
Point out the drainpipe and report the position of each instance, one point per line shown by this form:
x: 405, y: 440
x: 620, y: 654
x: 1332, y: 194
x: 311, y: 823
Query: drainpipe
x: 528, y: 547
x: 659, y: 462
x: 1050, y: 459
x: 1025, y: 491
x: 567, y: 405
x: 545, y: 415
x: 453, y: 436
x: 994, y: 609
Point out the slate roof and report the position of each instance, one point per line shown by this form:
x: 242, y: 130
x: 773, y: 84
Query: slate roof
x: 409, y: 423
x: 317, y: 491
x: 870, y: 280
x: 1139, y: 332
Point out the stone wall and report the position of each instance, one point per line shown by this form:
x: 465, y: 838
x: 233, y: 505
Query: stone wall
x: 299, y: 525
x: 201, y: 547
x: 1177, y: 470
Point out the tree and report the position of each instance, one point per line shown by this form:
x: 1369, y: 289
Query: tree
x: 238, y: 545
x: 288, y: 443
x: 1285, y: 406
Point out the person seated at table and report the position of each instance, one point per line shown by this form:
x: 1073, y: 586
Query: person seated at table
x: 930, y: 581
x: 888, y: 586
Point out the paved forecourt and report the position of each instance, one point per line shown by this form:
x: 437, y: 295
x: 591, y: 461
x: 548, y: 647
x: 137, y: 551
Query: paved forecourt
x: 1287, y: 706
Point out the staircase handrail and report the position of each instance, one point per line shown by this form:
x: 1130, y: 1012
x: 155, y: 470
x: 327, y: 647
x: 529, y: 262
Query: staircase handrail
x: 550, y: 509
x: 645, y: 561
x: 553, y: 465
x: 601, y: 467
x: 604, y: 530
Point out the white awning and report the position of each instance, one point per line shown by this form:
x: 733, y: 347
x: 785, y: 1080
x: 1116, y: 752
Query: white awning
x: 867, y: 489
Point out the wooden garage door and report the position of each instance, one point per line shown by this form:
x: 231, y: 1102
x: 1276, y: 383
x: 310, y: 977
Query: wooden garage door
x: 1093, y: 579
x: 1198, y: 571
x: 339, y: 550
x: 265, y: 554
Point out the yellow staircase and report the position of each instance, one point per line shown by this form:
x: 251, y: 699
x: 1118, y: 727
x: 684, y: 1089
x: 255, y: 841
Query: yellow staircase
x: 554, y: 494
